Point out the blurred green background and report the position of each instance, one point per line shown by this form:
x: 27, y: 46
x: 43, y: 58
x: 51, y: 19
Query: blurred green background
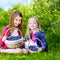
x: 48, y: 13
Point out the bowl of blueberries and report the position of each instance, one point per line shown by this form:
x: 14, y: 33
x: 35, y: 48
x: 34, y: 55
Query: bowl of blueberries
x: 13, y: 41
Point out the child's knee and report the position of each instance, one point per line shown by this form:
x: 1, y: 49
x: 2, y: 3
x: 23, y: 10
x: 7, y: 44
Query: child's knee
x: 18, y: 50
x: 25, y: 51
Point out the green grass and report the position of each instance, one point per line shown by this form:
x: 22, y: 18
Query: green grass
x: 50, y: 55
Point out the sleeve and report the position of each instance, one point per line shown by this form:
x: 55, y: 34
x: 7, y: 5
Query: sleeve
x: 43, y: 40
x: 4, y: 31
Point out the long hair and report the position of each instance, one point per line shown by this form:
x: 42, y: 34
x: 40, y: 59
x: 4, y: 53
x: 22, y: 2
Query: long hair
x: 28, y: 31
x: 13, y: 15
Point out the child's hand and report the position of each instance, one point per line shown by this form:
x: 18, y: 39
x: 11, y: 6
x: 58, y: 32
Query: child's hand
x: 39, y: 49
x: 4, y: 38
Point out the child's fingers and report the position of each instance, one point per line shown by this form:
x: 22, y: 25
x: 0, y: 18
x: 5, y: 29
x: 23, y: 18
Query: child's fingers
x: 4, y: 38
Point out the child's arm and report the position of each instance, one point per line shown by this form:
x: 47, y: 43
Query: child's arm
x: 43, y: 39
x: 3, y: 33
x: 4, y: 38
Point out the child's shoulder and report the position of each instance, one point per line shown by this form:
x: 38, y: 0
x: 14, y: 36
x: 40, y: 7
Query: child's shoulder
x: 40, y: 32
x: 5, y: 28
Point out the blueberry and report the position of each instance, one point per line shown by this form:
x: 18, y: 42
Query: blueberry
x: 33, y: 48
x: 13, y: 37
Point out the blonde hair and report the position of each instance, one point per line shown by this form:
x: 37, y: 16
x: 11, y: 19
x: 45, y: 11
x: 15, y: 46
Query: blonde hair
x: 28, y: 31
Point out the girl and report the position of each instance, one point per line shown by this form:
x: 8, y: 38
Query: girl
x: 15, y: 21
x: 36, y: 41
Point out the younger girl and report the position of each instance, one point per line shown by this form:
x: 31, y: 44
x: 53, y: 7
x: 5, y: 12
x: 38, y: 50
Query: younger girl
x: 15, y: 21
x: 36, y: 41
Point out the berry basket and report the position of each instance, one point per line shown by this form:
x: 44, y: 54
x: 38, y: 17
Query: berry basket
x: 14, y: 41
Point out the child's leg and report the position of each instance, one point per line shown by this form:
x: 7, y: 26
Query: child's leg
x: 11, y: 51
x: 25, y: 51
x: 14, y: 51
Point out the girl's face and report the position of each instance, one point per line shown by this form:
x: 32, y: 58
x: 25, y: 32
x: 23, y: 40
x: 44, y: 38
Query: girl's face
x: 32, y: 24
x: 17, y: 20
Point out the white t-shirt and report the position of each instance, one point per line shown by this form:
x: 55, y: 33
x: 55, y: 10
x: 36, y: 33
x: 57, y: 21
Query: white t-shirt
x: 30, y: 43
x: 15, y: 33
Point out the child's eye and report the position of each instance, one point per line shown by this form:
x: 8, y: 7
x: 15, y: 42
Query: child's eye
x: 29, y: 23
x: 16, y: 19
x: 20, y: 20
x: 34, y: 23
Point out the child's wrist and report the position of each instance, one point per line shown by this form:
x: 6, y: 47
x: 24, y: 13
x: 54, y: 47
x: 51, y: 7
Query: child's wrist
x: 4, y: 38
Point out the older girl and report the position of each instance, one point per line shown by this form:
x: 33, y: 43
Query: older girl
x: 15, y: 21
